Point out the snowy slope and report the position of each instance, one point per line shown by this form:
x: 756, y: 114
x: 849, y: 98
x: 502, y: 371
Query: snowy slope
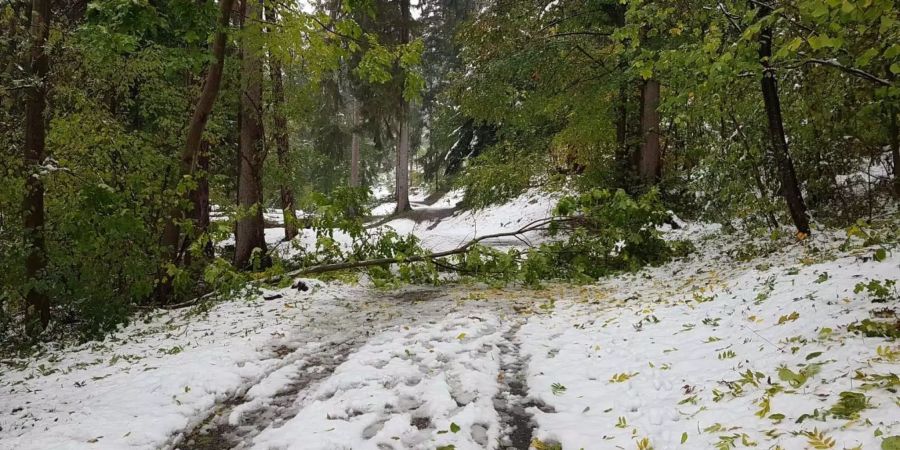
x: 706, y: 352
x: 441, y: 225
x: 450, y: 232
x: 668, y: 351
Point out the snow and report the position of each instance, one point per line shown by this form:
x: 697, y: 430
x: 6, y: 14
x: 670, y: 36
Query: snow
x: 458, y: 227
x: 424, y: 372
x: 463, y: 226
x: 657, y: 327
x: 689, y: 350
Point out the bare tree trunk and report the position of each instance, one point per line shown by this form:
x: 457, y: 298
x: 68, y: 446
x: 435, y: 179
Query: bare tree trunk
x: 37, y: 302
x: 402, y: 169
x: 283, y: 145
x: 650, y: 158
x: 789, y: 185
x: 250, y: 229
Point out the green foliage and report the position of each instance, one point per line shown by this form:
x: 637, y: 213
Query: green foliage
x: 557, y: 389
x: 613, y: 232
x: 560, y: 88
x: 891, y: 443
x: 596, y: 234
x: 849, y: 405
x: 798, y: 379
x: 879, y: 290
x: 877, y: 328
x: 496, y: 177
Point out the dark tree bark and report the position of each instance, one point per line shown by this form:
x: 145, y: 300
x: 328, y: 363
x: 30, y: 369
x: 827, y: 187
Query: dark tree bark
x: 649, y: 165
x: 283, y: 148
x: 195, y: 156
x: 200, y: 198
x: 790, y: 187
x: 250, y: 229
x: 622, y: 128
x: 191, y: 152
x: 37, y: 302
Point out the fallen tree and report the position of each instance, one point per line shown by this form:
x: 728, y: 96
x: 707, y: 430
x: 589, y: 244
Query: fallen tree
x: 601, y: 232
x: 537, y: 225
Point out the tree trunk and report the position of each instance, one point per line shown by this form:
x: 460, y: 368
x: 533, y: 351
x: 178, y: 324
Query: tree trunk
x: 355, y: 181
x: 195, y: 156
x: 192, y: 154
x: 37, y: 302
x: 650, y: 159
x: 402, y: 168
x: 200, y: 199
x: 894, y: 131
x: 790, y: 187
x: 191, y: 159
x: 283, y: 146
x: 250, y: 229
x: 354, y: 148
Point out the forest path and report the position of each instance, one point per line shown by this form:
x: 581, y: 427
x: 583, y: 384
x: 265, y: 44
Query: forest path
x: 445, y: 356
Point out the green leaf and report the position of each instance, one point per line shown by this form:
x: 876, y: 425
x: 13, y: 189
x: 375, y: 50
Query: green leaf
x: 454, y: 427
x: 891, y: 443
x: 866, y: 57
x: 684, y: 437
x: 880, y: 255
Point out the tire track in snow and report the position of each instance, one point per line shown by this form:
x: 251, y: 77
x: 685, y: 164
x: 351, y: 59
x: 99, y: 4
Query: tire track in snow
x: 235, y: 423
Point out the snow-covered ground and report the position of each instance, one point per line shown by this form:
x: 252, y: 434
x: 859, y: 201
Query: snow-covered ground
x: 449, y: 229
x: 706, y: 352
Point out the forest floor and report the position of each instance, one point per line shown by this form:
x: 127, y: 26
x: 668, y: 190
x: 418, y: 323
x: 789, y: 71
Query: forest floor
x: 742, y: 344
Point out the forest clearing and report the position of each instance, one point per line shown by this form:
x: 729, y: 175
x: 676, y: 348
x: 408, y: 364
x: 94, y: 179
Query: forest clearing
x: 449, y: 224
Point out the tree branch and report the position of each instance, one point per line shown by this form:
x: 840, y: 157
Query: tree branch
x: 536, y: 225
x: 850, y: 70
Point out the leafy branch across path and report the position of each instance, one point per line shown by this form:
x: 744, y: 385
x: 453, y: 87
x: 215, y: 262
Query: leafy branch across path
x: 537, y: 225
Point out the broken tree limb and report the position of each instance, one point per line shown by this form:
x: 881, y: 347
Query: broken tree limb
x: 536, y: 225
